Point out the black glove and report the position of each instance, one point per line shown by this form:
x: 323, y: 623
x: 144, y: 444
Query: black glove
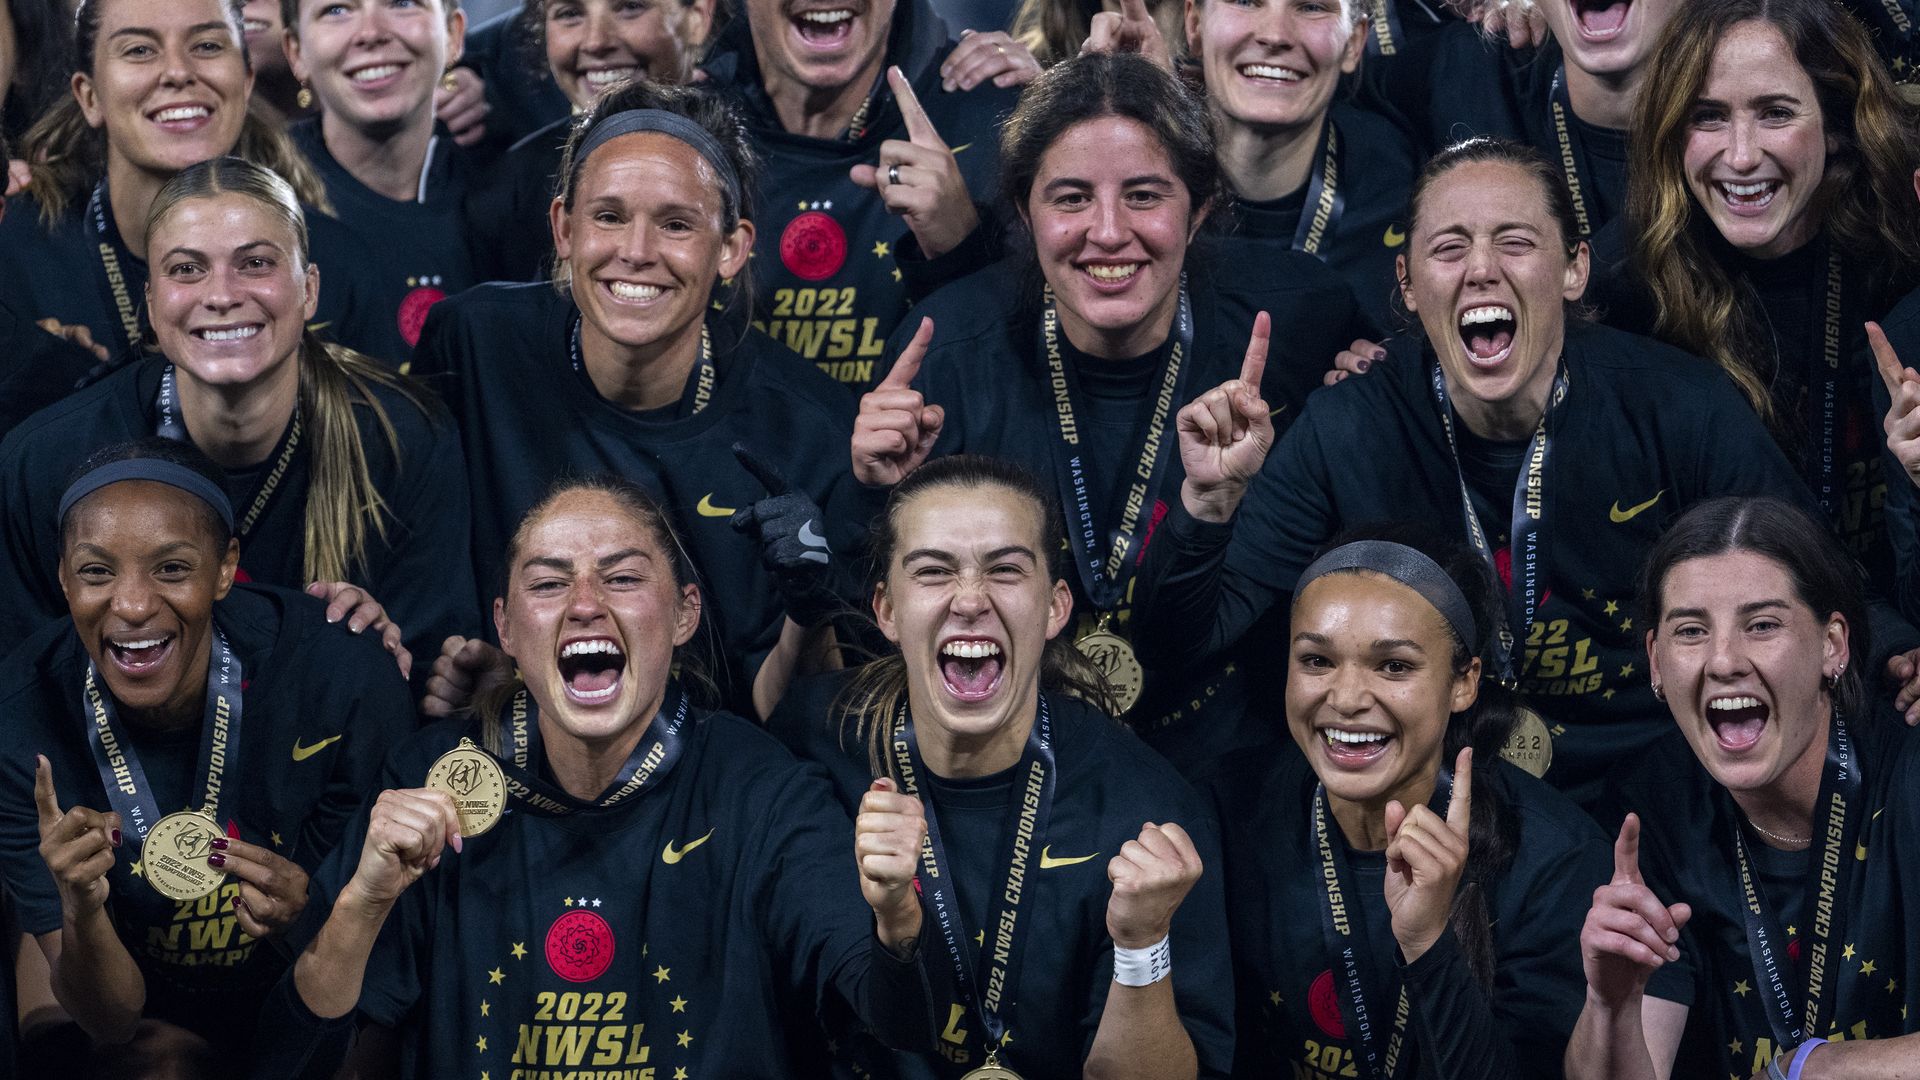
x: 788, y: 527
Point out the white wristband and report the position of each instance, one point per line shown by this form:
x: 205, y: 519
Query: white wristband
x: 1143, y: 967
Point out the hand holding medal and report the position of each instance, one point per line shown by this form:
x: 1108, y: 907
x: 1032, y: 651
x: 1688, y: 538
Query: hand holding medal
x: 78, y: 846
x: 1225, y: 434
x: 406, y: 835
x: 1425, y: 857
x: 1628, y: 933
x: 896, y: 428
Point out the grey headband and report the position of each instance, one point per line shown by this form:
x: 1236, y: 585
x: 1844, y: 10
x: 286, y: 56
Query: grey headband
x: 634, y: 121
x: 160, y: 472
x: 1408, y: 567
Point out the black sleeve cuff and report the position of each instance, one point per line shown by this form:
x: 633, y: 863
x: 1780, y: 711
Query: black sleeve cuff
x: 291, y: 1042
x: 1191, y: 536
x: 900, y: 1008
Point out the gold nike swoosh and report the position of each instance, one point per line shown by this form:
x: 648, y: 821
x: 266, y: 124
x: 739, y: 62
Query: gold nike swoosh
x: 302, y: 753
x: 707, y: 509
x: 670, y: 855
x: 1276, y: 412
x: 1394, y: 237
x: 1621, y: 517
x: 959, y: 148
x: 1048, y: 862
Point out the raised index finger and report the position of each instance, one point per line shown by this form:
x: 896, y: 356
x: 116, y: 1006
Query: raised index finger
x: 761, y: 469
x: 1135, y: 11
x: 1255, y: 365
x: 1892, y: 371
x: 920, y: 130
x: 907, y: 368
x: 1626, y: 853
x: 1460, y: 806
x: 43, y: 794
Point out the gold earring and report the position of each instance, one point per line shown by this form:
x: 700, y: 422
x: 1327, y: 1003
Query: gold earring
x: 448, y: 82
x: 304, y: 99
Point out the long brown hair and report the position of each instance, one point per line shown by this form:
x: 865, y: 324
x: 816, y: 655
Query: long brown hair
x: 1866, y: 195
x: 66, y: 156
x: 875, y: 694
x: 343, y: 503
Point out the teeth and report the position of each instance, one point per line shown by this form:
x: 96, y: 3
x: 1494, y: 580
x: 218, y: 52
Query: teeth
x: 1747, y: 191
x: 238, y: 333
x: 594, y: 695
x: 602, y: 78
x: 378, y: 71
x: 595, y: 646
x: 970, y: 650
x: 1729, y: 704
x: 181, y: 112
x: 825, y: 18
x: 1270, y: 71
x: 253, y: 26
x: 144, y: 644
x: 626, y: 290
x: 1486, y: 314
x: 1113, y: 273
x: 1351, y: 738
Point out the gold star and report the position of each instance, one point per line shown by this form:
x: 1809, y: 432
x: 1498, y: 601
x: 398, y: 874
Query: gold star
x: 1606, y: 695
x: 1626, y: 671
x: 685, y: 1038
x: 662, y: 975
x: 1006, y: 1037
x: 1626, y: 624
x: 567, y: 900
x: 680, y: 1073
x: 1740, y: 987
x: 485, y: 1009
x: 277, y: 842
x: 1612, y: 608
x: 1586, y: 594
x: 496, y: 977
x: 803, y: 204
x: 1866, y: 968
x: 1274, y: 997
x: 980, y: 937
x: 519, y: 950
x: 1846, y: 953
x: 679, y: 1004
x: 1792, y: 931
x: 882, y: 249
x: 1892, y: 985
x: 481, y: 1044
x: 896, y: 273
x: 483, y: 1075
x: 136, y: 870
x: 1735, y: 1048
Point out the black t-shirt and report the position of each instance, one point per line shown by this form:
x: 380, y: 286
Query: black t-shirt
x: 1687, y: 854
x: 694, y: 928
x: 1644, y: 433
x: 986, y: 333
x: 825, y: 283
x: 404, y: 279
x: 506, y: 215
x: 58, y: 272
x: 1109, y: 785
x: 36, y: 368
x: 501, y: 356
x: 1365, y: 223
x: 1289, y: 982
x: 319, y: 707
x: 418, y: 571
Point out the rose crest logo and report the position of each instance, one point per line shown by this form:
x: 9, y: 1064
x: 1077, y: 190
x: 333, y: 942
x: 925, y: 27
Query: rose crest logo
x: 579, y: 946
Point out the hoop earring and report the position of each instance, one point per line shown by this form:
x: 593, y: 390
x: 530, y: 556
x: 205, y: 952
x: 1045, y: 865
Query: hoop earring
x: 1658, y: 694
x: 448, y: 82
x: 304, y: 99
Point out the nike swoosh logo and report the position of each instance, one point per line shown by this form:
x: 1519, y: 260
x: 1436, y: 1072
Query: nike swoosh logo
x: 707, y: 509
x: 1621, y: 517
x: 959, y: 148
x: 302, y: 753
x: 1276, y: 412
x: 1048, y: 862
x: 1394, y: 237
x: 670, y: 855
x: 813, y: 540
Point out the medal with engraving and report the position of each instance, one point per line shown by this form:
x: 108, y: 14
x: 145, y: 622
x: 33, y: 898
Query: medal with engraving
x: 1531, y: 744
x: 1115, y: 658
x: 173, y: 857
x: 474, y: 780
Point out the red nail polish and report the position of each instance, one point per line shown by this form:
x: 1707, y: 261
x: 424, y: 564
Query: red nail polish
x: 219, y: 843
x: 216, y: 860
x: 116, y: 837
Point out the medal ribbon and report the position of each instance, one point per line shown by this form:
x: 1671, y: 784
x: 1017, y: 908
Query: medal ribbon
x: 117, y: 290
x: 1529, y: 534
x: 704, y: 374
x: 1105, y: 574
x: 659, y: 750
x: 170, y: 426
x: 120, y: 771
x: 1386, y: 38
x: 1321, y: 214
x: 1839, y: 793
x: 1572, y: 155
x: 1824, y: 387
x: 1002, y: 954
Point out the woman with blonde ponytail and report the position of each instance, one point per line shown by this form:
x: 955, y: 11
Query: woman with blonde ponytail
x: 341, y: 470
x: 159, y: 85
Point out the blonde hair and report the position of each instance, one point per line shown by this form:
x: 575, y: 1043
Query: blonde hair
x: 343, y: 504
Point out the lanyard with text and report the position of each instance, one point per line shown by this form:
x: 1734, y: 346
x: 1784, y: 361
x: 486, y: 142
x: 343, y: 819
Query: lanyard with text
x: 659, y: 750
x: 1341, y: 927
x: 120, y: 771
x: 1827, y: 907
x: 1321, y: 214
x: 703, y: 373
x: 1572, y: 154
x: 1386, y: 39
x: 170, y: 426
x: 1823, y: 392
x: 1034, y: 777
x: 1527, y: 539
x: 1103, y: 568
x: 117, y: 290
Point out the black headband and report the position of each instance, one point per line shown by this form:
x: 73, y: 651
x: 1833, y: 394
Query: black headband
x: 156, y: 470
x: 1408, y: 567
x: 634, y: 121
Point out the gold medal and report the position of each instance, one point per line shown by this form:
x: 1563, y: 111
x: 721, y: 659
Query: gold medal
x: 1114, y: 656
x: 992, y: 1070
x: 1531, y: 744
x: 478, y: 787
x: 173, y: 858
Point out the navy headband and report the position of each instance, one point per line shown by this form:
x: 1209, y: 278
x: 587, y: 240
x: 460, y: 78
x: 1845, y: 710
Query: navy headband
x: 1408, y: 567
x: 160, y: 472
x: 634, y: 121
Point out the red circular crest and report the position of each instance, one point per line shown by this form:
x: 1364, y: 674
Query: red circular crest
x: 1323, y: 1001
x: 813, y: 246
x: 579, y: 946
x: 413, y: 311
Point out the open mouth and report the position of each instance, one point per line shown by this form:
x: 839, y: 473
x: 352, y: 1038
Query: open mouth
x: 1748, y: 198
x: 1487, y: 332
x: 181, y: 117
x: 824, y: 28
x: 1270, y: 73
x: 140, y: 655
x: 375, y: 74
x: 632, y: 292
x: 1600, y: 20
x: 1737, y: 722
x: 970, y: 667
x: 600, y: 80
x: 254, y: 27
x: 227, y: 333
x: 1354, y: 748
x: 591, y: 668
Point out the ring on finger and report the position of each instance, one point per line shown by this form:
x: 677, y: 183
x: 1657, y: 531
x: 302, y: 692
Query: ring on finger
x: 893, y: 174
x: 999, y: 48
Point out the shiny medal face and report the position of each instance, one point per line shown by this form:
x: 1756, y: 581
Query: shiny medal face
x: 1113, y: 655
x: 991, y: 1071
x: 173, y: 858
x: 1531, y: 744
x: 478, y: 787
